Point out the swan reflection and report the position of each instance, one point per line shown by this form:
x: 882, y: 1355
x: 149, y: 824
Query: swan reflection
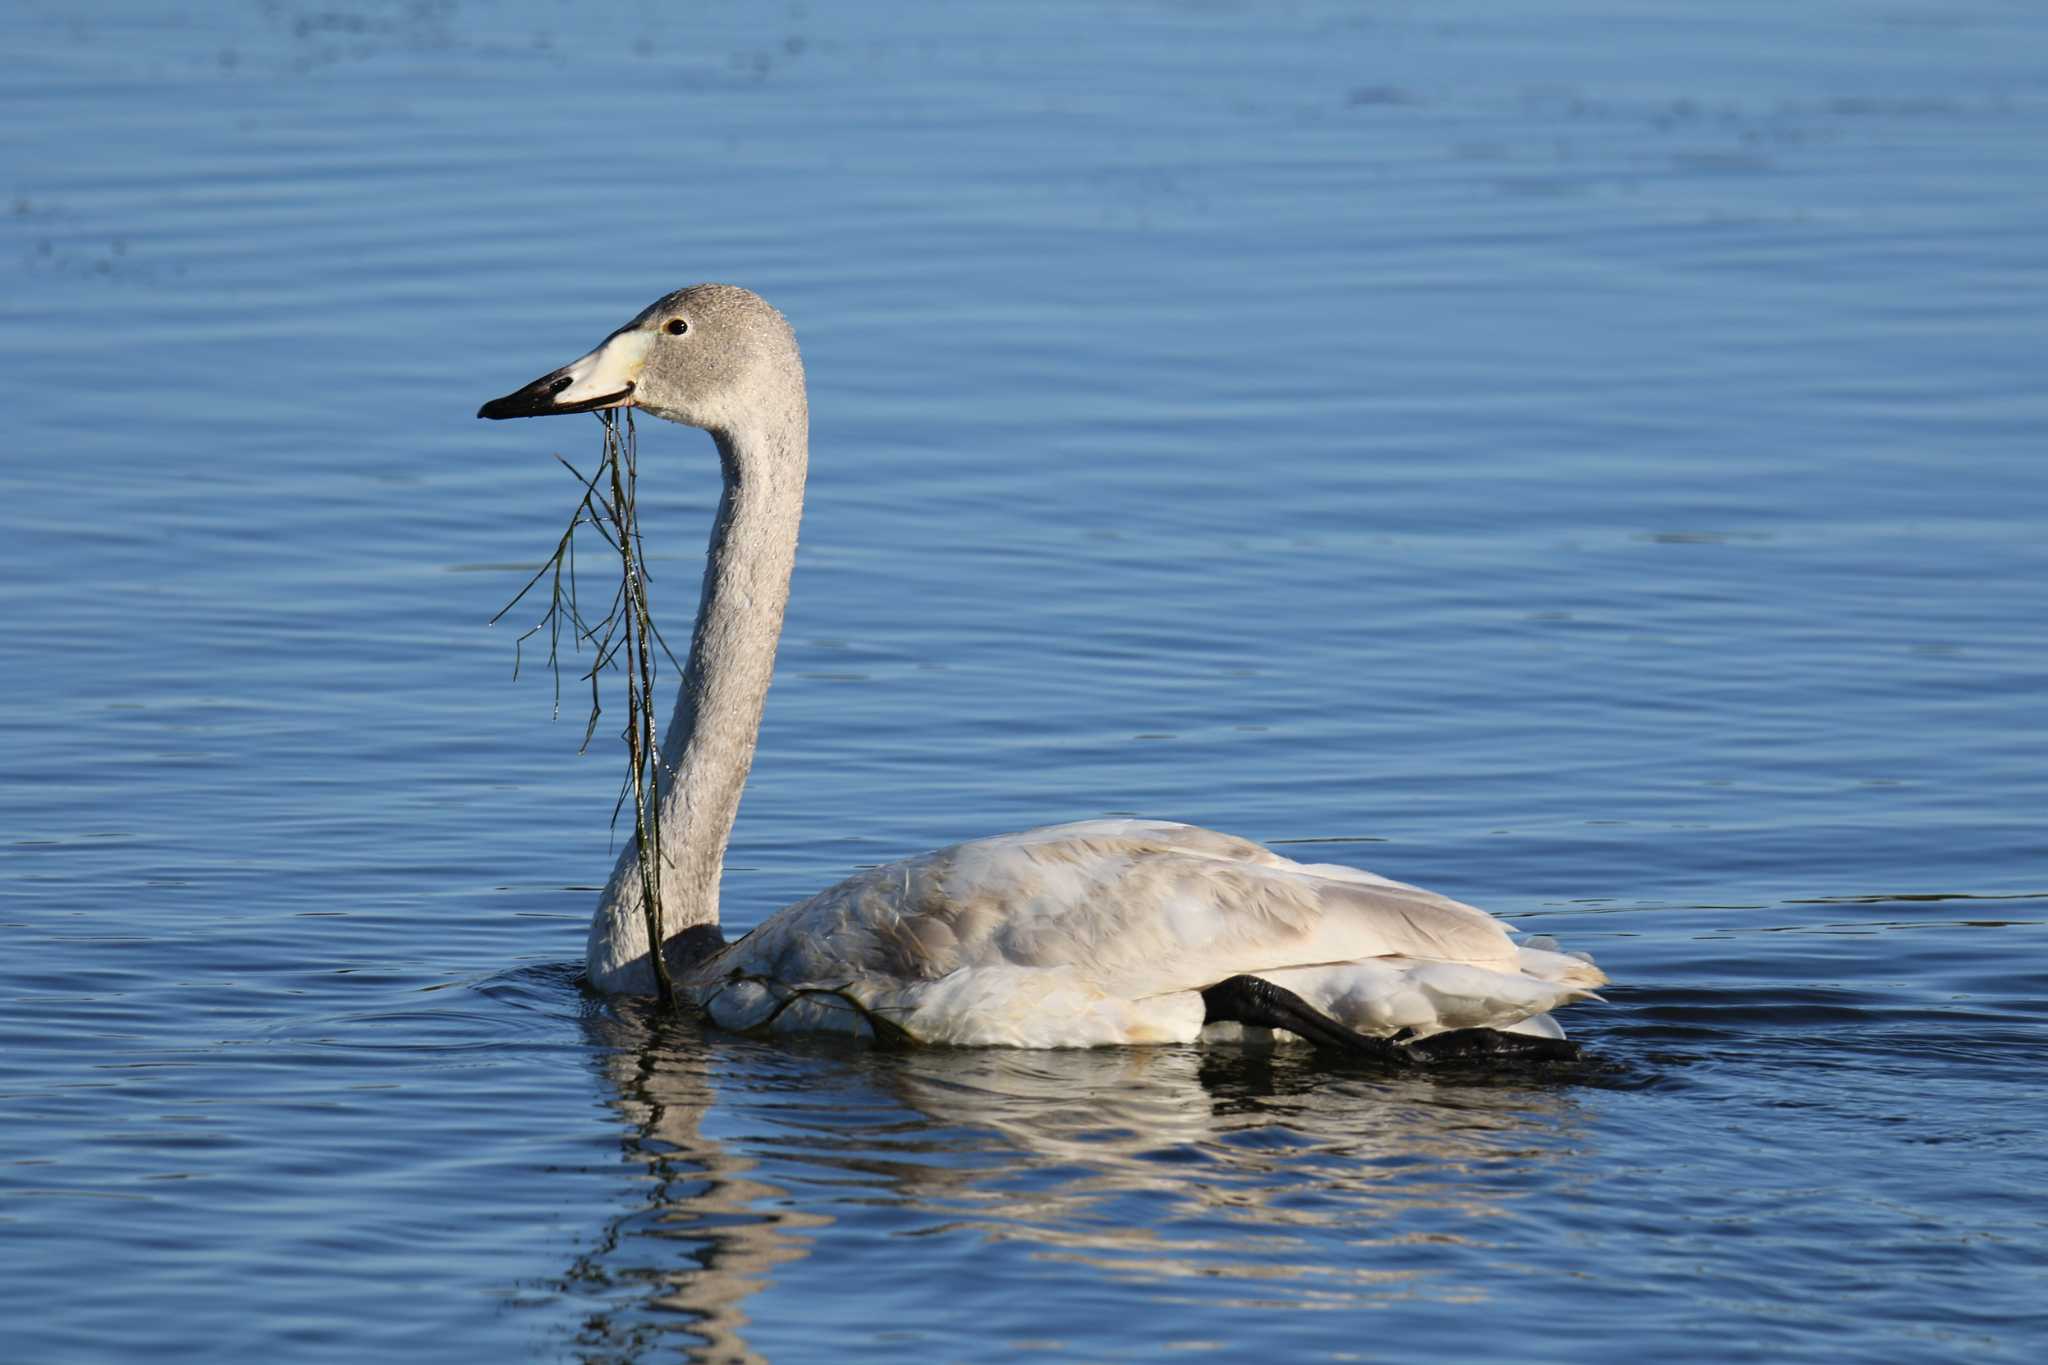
x: 1224, y: 1172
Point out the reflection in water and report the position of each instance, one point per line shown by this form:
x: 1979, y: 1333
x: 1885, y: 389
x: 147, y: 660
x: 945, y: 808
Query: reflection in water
x: 709, y: 1232
x: 1220, y: 1171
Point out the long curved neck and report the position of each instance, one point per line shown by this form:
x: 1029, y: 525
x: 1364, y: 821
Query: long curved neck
x: 709, y: 744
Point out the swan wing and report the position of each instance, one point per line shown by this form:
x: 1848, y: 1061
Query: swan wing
x: 1106, y: 931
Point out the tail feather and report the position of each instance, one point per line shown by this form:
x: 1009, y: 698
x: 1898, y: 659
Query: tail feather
x: 1385, y: 995
x: 1542, y: 959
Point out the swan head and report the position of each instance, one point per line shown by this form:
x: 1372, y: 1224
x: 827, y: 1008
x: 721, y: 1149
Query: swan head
x: 711, y: 355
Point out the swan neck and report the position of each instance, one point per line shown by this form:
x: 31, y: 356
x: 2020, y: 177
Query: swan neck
x: 708, y: 746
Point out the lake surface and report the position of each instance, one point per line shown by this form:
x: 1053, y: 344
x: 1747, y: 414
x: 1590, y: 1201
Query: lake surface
x: 1585, y: 458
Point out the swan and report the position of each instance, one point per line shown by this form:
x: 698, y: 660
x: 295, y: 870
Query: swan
x: 1088, y: 934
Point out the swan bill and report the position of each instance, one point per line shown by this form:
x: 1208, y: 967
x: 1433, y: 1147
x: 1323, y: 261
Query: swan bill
x: 537, y: 400
x: 606, y: 378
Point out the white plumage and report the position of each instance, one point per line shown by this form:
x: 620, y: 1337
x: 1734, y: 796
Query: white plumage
x: 1107, y: 931
x: 1079, y: 935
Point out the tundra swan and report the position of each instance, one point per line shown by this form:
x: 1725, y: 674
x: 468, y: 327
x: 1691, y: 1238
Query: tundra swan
x: 1076, y: 935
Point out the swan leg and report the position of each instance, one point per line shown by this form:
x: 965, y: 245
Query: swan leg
x: 1483, y: 1044
x: 1261, y: 1004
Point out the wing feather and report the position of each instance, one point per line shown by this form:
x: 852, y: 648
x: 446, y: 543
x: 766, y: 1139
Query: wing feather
x: 1101, y: 930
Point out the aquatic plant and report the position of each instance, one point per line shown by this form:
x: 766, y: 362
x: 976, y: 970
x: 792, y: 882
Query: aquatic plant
x: 623, y: 639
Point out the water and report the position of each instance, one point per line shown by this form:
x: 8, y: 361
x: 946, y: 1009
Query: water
x: 1587, y: 459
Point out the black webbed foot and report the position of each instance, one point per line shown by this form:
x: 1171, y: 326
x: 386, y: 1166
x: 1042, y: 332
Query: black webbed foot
x: 1261, y: 1004
x: 687, y: 948
x: 1487, y: 1044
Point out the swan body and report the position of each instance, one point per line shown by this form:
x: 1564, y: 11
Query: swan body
x: 1107, y: 931
x: 1078, y: 935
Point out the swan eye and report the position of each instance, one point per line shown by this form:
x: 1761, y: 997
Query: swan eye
x: 676, y: 327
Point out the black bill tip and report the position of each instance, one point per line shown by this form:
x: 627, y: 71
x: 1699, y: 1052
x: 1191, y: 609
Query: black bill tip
x: 538, y: 400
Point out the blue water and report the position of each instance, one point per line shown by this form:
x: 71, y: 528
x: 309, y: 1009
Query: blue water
x: 1587, y: 458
